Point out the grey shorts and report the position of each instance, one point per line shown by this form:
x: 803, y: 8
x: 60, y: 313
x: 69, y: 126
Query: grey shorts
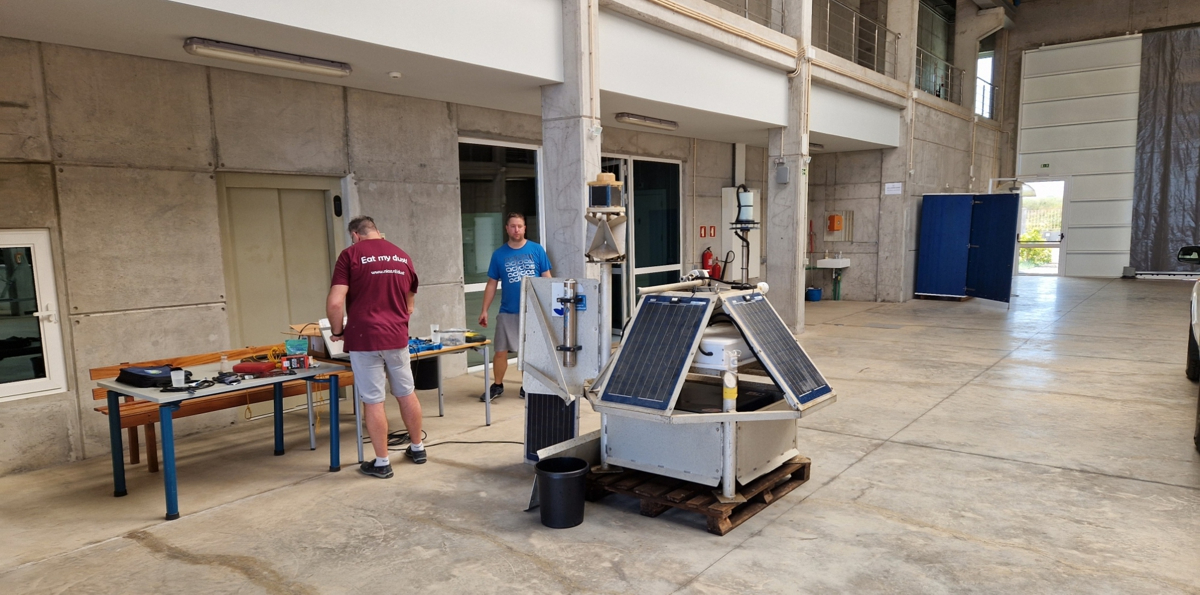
x: 371, y: 368
x: 508, y: 330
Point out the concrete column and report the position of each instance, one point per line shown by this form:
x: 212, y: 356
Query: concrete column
x: 571, y: 139
x: 787, y: 201
x: 896, y: 263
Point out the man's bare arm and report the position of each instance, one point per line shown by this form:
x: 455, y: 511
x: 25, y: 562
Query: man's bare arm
x: 335, y: 309
x: 489, y: 294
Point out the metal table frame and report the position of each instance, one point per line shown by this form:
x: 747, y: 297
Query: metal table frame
x: 487, y: 381
x: 169, y: 402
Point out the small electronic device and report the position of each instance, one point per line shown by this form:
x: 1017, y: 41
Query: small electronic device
x: 229, y: 378
x: 295, y: 362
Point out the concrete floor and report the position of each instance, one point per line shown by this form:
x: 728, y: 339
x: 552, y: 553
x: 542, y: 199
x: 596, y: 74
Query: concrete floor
x: 973, y: 448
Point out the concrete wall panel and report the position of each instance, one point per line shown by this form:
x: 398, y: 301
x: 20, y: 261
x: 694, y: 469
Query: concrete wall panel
x: 267, y: 123
x: 116, y: 109
x: 481, y: 122
x: 403, y: 139
x: 943, y: 129
x: 424, y: 220
x: 23, y: 133
x: 27, y: 193
x: 715, y: 160
x: 866, y: 223
x: 858, y: 167
x: 445, y: 306
x: 38, y: 432
x: 139, y: 238
x: 647, y: 144
x: 822, y: 168
x: 435, y: 232
x: 140, y: 336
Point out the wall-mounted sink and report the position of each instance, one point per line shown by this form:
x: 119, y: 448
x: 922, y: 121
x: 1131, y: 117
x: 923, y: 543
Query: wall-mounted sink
x: 833, y: 263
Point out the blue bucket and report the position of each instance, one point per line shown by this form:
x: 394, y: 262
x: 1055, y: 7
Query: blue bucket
x: 812, y: 294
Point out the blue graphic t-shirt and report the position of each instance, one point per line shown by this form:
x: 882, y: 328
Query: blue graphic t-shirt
x: 509, y: 266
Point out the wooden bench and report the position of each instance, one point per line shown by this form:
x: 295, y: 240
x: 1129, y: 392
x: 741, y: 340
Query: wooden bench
x: 136, y: 412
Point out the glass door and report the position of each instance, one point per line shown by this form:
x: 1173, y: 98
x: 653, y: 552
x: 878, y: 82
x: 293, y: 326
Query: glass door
x: 1040, y: 243
x: 652, y: 197
x: 495, y: 179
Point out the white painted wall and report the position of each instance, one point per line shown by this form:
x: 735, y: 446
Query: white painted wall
x: 643, y: 61
x: 851, y: 117
x: 1079, y: 109
x: 522, y: 36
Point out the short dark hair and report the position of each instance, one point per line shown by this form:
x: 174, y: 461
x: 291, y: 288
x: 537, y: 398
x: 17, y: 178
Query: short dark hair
x: 361, y: 225
x: 510, y: 216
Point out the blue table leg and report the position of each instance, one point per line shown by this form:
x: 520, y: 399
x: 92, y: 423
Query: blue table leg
x: 118, y: 447
x: 278, y: 386
x: 335, y: 431
x: 170, y: 484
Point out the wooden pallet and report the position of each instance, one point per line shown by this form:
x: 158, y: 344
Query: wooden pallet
x: 659, y: 494
x: 943, y: 298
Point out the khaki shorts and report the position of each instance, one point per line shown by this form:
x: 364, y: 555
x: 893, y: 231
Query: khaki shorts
x: 371, y: 368
x: 508, y: 330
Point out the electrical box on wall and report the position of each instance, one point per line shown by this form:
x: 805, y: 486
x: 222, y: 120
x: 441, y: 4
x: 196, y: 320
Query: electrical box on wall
x: 839, y: 226
x: 729, y: 212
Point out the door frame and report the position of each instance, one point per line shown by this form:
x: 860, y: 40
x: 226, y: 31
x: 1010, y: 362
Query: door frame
x: 994, y: 188
x: 331, y: 186
x: 629, y: 281
x: 48, y: 313
x: 541, y: 206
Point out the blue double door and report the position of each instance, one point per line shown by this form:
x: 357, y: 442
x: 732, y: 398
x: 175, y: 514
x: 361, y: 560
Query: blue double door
x: 968, y: 245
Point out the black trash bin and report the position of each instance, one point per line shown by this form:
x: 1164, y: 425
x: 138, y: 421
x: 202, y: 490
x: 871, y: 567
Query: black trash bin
x: 561, y: 483
x: 427, y: 373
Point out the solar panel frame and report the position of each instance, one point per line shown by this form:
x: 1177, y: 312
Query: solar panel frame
x: 626, y: 385
x: 771, y: 341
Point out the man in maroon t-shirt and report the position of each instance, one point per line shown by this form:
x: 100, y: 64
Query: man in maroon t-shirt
x: 373, y: 286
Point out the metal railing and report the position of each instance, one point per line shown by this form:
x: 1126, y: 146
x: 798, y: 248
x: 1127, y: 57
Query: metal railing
x: 843, y: 31
x: 985, y: 99
x: 938, y: 77
x: 768, y: 13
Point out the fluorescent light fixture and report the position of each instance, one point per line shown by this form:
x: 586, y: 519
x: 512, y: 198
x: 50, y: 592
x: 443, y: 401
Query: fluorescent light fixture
x: 647, y: 121
x: 207, y: 48
x: 816, y: 146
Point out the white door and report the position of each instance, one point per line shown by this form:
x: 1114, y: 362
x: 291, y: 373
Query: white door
x: 1079, y: 110
x: 281, y: 236
x: 31, y: 349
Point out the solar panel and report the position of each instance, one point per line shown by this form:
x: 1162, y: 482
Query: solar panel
x: 776, y: 348
x: 656, y: 351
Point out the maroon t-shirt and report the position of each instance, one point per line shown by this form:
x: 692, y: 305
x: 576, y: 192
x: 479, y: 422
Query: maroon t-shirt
x: 380, y: 277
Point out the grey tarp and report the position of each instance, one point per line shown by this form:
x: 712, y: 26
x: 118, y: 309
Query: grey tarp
x: 1166, y: 196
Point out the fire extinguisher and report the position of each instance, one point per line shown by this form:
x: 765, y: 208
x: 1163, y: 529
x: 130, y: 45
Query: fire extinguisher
x: 715, y: 272
x: 707, y: 260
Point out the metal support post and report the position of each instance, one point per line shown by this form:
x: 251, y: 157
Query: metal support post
x: 278, y: 389
x: 118, y: 449
x: 170, y: 479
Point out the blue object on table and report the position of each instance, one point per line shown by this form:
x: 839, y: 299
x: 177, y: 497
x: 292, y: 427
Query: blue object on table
x: 422, y: 345
x: 812, y: 294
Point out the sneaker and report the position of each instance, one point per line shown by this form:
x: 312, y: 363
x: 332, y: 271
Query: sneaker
x: 497, y: 390
x: 417, y: 456
x: 369, y: 468
x: 522, y: 392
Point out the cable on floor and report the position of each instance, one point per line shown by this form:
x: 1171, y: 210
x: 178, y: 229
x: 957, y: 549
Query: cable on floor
x: 399, y: 440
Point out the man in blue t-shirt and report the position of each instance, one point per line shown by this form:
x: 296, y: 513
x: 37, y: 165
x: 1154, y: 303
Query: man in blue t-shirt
x: 516, y: 259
